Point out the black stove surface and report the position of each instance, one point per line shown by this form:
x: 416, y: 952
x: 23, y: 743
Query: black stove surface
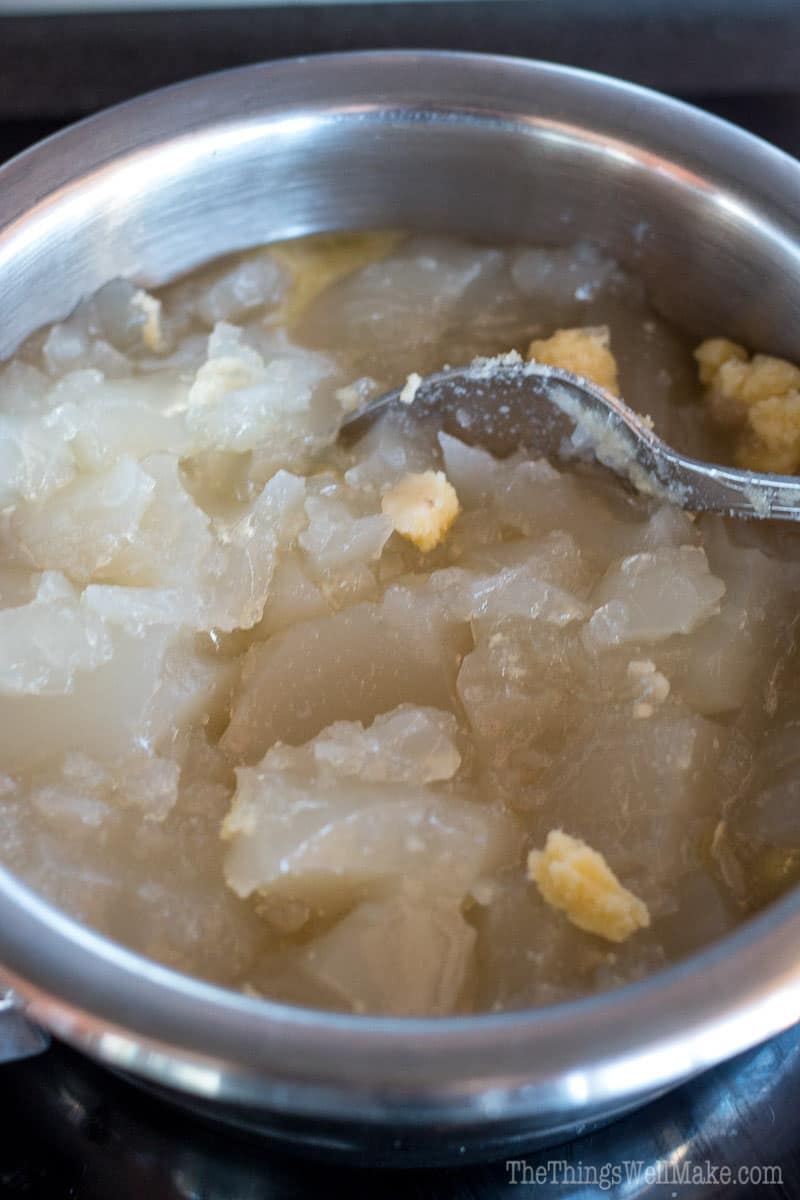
x: 73, y: 1131
x: 70, y: 1130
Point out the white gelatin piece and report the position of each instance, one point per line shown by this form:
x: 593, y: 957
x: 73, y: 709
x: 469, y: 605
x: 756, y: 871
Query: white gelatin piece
x: 511, y: 695
x: 236, y: 574
x: 293, y: 597
x: 473, y: 472
x: 65, y: 346
x: 187, y: 686
x: 535, y: 498
x: 639, y: 792
x: 318, y: 823
x: 72, y: 798
x: 188, y: 570
x: 134, y: 609
x: 407, y: 745
x: 231, y: 366
x: 34, y: 460
x: 512, y: 592
x: 412, y: 295
x: 81, y: 791
x: 148, y: 785
x: 238, y: 401
x: 258, y: 282
x: 335, y: 539
x: 82, y: 526
x: 326, y: 844
x: 398, y: 956
x: 352, y: 665
x: 651, y: 596
x: 44, y: 644
x: 23, y: 389
x: 554, y: 559
x: 172, y: 538
x: 166, y: 684
x: 385, y: 455
x: 731, y: 652
x: 102, y: 419
x: 410, y: 744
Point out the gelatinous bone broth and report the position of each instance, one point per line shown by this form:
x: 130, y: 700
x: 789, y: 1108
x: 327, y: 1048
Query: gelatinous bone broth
x: 397, y: 726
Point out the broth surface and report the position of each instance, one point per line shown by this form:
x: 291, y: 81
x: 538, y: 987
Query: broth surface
x: 280, y: 714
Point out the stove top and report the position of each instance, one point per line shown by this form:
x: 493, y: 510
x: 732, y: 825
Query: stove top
x: 73, y: 1131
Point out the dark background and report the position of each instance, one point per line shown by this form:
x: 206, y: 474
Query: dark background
x: 738, y: 58
x: 73, y: 64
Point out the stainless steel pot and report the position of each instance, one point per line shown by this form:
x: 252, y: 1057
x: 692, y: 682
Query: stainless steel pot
x: 491, y: 147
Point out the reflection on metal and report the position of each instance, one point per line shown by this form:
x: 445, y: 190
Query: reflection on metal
x: 18, y: 1038
x: 740, y: 1115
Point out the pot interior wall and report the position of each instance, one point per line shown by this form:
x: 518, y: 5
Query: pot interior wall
x: 128, y: 195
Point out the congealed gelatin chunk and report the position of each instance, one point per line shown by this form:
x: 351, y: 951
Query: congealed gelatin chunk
x: 405, y: 299
x: 352, y: 665
x: 44, y: 644
x: 33, y: 460
x: 355, y: 810
x: 512, y: 687
x: 238, y: 401
x: 649, y: 597
x: 82, y: 526
x: 334, y: 538
x: 638, y: 791
x: 403, y: 956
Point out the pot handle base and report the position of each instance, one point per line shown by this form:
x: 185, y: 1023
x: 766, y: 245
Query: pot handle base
x: 18, y: 1038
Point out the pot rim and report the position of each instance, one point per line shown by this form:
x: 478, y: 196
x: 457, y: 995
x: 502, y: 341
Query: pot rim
x: 193, y: 1035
